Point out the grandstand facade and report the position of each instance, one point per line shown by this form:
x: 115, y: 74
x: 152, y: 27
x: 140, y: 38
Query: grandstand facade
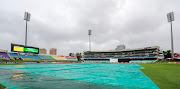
x: 40, y: 57
x: 150, y: 54
x: 4, y: 56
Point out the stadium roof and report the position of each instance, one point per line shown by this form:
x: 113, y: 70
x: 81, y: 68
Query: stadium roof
x: 152, y: 47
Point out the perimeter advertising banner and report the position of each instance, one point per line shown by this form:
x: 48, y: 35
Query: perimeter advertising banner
x: 24, y: 49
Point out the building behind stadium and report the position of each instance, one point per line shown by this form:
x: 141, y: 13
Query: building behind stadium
x: 42, y: 51
x: 53, y: 51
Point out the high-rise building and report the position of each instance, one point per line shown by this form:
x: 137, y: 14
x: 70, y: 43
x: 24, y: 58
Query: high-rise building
x: 53, y: 51
x: 42, y: 51
x: 120, y: 47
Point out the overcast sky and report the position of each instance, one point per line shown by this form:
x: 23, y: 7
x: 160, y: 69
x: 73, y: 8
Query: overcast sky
x: 64, y: 24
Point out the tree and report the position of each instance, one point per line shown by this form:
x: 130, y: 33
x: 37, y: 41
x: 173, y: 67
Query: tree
x: 167, y: 54
x: 175, y: 53
x: 70, y: 54
x: 78, y: 56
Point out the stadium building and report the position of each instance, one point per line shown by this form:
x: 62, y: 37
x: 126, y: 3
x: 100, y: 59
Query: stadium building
x: 138, y: 55
x: 4, y: 55
x: 28, y: 53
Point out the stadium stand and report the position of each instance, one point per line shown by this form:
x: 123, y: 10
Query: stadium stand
x: 16, y: 56
x: 28, y: 59
x: 105, y: 61
x: 59, y: 58
x: 124, y: 55
x: 4, y: 56
x: 25, y: 56
x: 71, y: 58
x: 142, y: 61
x: 46, y: 57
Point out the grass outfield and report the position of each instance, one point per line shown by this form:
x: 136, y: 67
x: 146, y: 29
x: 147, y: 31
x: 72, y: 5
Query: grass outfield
x: 165, y: 76
x: 2, y: 87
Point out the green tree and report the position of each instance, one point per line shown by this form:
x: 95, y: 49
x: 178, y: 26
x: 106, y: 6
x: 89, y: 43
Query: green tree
x: 70, y: 54
x: 167, y: 54
x: 176, y: 54
x: 78, y: 56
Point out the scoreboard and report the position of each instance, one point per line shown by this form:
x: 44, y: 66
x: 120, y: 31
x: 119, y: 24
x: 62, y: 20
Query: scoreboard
x: 24, y: 49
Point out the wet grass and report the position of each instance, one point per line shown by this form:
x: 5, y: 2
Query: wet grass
x: 2, y: 87
x: 165, y: 76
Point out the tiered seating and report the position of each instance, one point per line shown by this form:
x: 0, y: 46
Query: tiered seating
x: 25, y: 56
x: 43, y: 57
x: 72, y: 58
x: 59, y: 58
x: 46, y: 57
x: 27, y: 59
x: 97, y: 61
x: 4, y: 55
x: 141, y: 61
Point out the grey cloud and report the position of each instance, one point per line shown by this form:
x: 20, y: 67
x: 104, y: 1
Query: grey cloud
x: 64, y: 24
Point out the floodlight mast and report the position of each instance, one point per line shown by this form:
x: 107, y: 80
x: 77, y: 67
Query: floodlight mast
x: 170, y: 17
x: 89, y: 33
x: 27, y: 16
x: 26, y: 35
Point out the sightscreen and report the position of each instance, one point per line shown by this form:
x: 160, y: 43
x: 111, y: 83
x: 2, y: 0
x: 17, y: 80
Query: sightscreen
x: 24, y: 49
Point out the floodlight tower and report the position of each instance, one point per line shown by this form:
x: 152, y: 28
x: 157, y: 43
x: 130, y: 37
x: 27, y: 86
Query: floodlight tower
x: 27, y: 16
x: 170, y: 17
x: 89, y: 33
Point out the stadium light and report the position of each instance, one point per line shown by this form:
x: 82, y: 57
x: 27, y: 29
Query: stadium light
x: 170, y: 17
x: 89, y: 33
x: 27, y: 16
